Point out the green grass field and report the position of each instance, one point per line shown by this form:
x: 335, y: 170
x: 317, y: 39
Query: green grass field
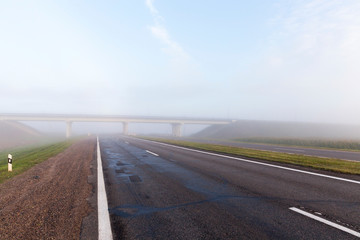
x: 25, y: 158
x: 328, y: 164
x: 316, y: 143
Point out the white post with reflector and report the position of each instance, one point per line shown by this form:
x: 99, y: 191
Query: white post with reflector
x: 9, y: 163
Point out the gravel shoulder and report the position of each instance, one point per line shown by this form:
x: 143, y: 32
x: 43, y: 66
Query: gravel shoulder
x: 51, y: 200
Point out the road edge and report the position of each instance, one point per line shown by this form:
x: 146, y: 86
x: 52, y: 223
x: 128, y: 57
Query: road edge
x: 104, y: 226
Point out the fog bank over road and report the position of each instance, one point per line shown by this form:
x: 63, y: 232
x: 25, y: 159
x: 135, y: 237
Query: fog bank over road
x: 265, y: 60
x: 280, y: 129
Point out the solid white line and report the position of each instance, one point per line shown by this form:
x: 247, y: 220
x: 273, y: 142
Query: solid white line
x: 152, y: 153
x: 255, y: 162
x: 103, y: 210
x: 345, y: 229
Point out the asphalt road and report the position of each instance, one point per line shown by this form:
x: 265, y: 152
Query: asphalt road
x: 156, y: 191
x: 346, y: 155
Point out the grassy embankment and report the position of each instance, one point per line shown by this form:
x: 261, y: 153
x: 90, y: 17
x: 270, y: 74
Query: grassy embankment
x: 25, y: 158
x: 328, y: 144
x: 328, y: 164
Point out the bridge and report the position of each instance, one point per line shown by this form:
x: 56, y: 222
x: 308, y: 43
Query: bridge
x: 176, y: 123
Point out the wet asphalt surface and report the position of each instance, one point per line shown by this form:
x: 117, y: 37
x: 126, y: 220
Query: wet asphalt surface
x: 181, y: 194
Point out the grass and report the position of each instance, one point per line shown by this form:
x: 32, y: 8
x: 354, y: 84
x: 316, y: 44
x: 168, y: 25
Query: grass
x: 318, y: 143
x: 328, y: 164
x: 25, y: 158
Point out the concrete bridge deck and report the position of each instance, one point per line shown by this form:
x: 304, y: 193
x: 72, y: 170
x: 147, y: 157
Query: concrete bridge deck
x: 176, y: 122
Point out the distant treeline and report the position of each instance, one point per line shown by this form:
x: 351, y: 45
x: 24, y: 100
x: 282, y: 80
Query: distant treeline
x: 336, y: 144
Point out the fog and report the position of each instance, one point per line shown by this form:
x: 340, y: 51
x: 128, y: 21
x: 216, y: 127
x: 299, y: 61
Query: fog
x: 282, y: 130
x: 95, y: 128
x: 282, y: 60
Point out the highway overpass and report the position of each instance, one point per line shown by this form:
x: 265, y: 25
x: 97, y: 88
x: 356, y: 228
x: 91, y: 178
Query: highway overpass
x: 175, y: 122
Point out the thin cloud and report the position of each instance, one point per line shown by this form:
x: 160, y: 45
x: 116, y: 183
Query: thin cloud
x: 150, y: 5
x: 314, y: 25
x: 310, y: 62
x: 160, y: 32
x: 173, y: 48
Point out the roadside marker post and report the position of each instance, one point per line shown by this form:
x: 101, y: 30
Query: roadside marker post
x: 9, y: 163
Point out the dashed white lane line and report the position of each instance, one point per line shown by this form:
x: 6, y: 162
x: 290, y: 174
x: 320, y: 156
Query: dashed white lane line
x: 152, y: 153
x: 335, y: 225
x: 103, y: 210
x: 254, y: 162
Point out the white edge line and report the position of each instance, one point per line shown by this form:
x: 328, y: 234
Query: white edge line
x: 335, y: 225
x: 103, y: 209
x: 254, y: 162
x: 152, y: 153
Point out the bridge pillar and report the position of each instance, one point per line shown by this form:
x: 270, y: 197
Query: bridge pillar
x: 68, y: 129
x: 176, y: 129
x: 125, y: 128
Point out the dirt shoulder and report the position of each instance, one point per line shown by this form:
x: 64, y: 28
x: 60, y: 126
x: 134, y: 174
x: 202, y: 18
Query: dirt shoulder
x: 49, y: 201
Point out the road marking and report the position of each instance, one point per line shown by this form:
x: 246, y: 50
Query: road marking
x: 152, y: 153
x: 255, y: 162
x: 126, y: 142
x: 335, y: 225
x: 103, y: 209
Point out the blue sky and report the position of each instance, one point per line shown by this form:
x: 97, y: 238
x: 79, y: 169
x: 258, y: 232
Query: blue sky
x: 263, y: 60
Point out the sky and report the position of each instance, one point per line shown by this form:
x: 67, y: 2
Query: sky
x: 287, y: 60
